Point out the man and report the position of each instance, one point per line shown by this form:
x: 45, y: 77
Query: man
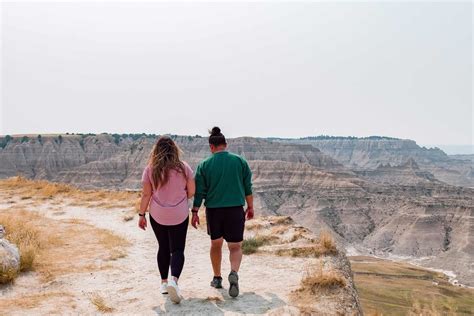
x: 224, y: 181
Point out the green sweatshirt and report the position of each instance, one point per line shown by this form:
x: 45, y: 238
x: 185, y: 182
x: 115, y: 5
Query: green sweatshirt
x: 222, y: 180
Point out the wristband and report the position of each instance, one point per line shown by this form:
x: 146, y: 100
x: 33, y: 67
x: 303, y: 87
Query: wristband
x: 140, y: 214
x: 194, y: 212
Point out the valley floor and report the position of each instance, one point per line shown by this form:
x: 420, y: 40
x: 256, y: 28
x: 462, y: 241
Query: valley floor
x: 397, y: 288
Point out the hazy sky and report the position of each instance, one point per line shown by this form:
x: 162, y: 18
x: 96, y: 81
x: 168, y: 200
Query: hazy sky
x: 289, y: 69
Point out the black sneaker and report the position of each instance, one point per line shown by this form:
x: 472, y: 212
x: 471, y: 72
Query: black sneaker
x: 234, y: 284
x: 217, y: 282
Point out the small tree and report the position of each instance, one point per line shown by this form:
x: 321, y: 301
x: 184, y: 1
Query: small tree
x: 116, y: 138
x: 81, y: 141
x: 4, y: 142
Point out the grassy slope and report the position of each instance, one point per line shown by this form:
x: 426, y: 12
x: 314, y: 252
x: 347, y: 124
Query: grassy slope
x: 393, y: 288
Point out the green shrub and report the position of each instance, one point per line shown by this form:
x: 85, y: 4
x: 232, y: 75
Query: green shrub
x: 251, y: 245
x: 116, y: 138
x: 4, y: 141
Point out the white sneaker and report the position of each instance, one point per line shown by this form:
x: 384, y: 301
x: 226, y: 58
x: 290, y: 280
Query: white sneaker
x: 163, y: 288
x: 173, y: 291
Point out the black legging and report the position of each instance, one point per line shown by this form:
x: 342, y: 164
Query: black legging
x: 171, y: 243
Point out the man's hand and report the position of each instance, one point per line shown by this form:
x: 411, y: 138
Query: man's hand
x: 142, y: 222
x: 195, y: 220
x: 249, y: 213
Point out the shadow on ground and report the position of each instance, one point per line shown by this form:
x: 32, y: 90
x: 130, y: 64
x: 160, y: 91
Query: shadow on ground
x: 246, y: 303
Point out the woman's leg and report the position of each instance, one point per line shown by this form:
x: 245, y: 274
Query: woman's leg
x: 163, y: 257
x: 177, y: 237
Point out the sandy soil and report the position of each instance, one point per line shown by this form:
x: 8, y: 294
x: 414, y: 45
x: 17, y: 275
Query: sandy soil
x: 130, y: 285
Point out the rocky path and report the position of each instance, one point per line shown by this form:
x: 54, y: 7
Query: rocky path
x: 131, y: 285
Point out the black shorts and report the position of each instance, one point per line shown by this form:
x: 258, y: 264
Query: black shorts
x: 227, y: 222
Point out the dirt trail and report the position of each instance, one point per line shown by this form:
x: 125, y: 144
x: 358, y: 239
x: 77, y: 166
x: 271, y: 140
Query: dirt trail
x: 131, y: 285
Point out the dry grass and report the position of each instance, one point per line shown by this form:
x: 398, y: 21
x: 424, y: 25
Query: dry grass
x: 279, y: 230
x: 37, y: 237
x: 323, y: 246
x: 117, y: 254
x: 7, y: 275
x: 40, y: 189
x: 37, y: 188
x: 47, y: 245
x: 100, y: 304
x: 317, y: 278
x: 213, y: 299
x: 25, y: 235
x: 317, y: 281
x: 253, y: 225
x: 297, y: 236
x: 327, y: 243
x: 129, y: 216
x: 280, y: 220
x: 279, y: 223
x: 111, y: 241
x: 29, y: 301
x: 397, y: 288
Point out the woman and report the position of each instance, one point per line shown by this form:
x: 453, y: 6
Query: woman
x: 168, y: 183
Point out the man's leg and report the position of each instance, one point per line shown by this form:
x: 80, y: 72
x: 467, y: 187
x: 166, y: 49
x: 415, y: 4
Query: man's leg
x: 235, y: 255
x: 234, y: 235
x: 216, y: 256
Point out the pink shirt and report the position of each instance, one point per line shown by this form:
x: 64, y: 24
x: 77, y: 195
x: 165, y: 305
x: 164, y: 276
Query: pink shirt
x: 169, y: 203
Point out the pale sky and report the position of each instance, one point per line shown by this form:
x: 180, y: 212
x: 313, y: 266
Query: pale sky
x: 287, y: 69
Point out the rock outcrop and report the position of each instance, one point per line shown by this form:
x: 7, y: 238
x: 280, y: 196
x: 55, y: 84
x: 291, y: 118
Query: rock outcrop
x: 408, y: 173
x: 370, y: 153
x: 9, y: 258
x: 424, y: 219
x: 284, y: 237
x: 102, y: 161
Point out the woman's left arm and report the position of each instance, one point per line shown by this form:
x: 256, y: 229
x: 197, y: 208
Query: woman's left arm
x: 145, y: 201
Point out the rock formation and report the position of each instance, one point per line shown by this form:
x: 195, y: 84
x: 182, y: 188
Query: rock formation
x: 100, y: 161
x: 390, y: 203
x: 369, y: 153
x: 9, y: 258
x: 424, y: 219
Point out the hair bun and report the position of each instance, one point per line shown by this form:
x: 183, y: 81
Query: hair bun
x: 215, y: 131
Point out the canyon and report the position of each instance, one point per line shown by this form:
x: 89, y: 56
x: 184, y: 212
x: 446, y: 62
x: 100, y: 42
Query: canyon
x: 382, y: 197
x: 370, y: 152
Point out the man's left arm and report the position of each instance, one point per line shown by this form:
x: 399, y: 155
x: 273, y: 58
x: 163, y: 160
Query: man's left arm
x: 247, y: 178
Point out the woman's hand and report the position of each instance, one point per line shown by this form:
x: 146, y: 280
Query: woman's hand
x: 195, y: 220
x: 142, y: 222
